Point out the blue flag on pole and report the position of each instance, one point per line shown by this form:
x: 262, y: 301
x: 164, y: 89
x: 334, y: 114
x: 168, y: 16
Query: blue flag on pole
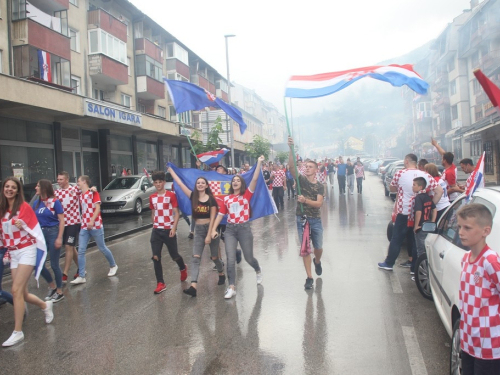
x: 261, y: 203
x: 189, y: 97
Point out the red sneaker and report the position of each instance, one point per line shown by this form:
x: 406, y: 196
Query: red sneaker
x: 76, y: 275
x: 65, y: 278
x: 161, y: 287
x: 184, y: 273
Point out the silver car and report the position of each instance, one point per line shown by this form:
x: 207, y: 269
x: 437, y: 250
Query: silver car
x: 127, y: 194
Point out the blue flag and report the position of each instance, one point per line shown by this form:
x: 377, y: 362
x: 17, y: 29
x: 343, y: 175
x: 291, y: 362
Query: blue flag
x: 189, y: 97
x: 261, y: 203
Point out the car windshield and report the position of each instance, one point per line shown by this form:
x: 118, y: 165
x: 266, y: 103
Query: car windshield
x: 123, y: 183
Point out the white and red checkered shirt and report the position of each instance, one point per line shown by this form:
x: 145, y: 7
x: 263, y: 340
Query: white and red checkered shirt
x: 403, y: 180
x: 88, y: 201
x: 302, y: 169
x: 321, y: 176
x: 237, y: 207
x: 279, y: 178
x: 480, y: 305
x: 12, y: 236
x: 163, y: 206
x: 71, y: 204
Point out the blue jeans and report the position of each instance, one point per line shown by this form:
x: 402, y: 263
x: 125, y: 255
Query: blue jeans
x: 50, y: 234
x: 399, y: 233
x: 316, y: 231
x: 83, y: 240
x: 6, y: 296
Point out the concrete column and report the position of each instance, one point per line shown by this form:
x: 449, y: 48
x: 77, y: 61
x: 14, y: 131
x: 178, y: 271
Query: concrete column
x: 105, y: 156
x: 58, y: 148
x: 135, y: 164
x: 161, y: 165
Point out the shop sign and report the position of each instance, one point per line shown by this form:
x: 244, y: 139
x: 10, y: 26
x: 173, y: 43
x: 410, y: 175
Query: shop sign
x: 108, y: 112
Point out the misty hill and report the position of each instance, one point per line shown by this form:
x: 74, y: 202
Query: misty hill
x: 366, y: 108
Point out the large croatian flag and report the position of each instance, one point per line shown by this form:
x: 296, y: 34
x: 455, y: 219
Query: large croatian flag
x: 261, y: 203
x: 212, y: 157
x: 44, y: 65
x: 324, y: 84
x: 477, y: 178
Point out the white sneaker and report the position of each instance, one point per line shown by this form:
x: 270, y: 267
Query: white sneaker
x: 230, y: 292
x: 78, y: 280
x: 259, y: 277
x: 14, y: 338
x: 49, y: 314
x: 112, y: 271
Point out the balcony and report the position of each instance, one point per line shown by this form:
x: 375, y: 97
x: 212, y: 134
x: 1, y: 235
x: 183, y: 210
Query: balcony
x: 29, y: 32
x: 100, y: 19
x: 222, y: 94
x: 149, y: 88
x: 174, y: 64
x: 144, y: 46
x: 441, y: 104
x: 106, y: 71
x: 490, y: 62
x: 51, y: 5
x: 481, y: 97
x: 441, y: 82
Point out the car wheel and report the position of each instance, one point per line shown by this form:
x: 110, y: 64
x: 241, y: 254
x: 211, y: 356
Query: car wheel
x: 138, y: 207
x: 386, y: 192
x: 422, y: 278
x: 390, y: 228
x: 455, y: 360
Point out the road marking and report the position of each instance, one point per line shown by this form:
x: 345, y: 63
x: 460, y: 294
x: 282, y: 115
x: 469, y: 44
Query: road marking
x: 396, y: 285
x: 415, y: 357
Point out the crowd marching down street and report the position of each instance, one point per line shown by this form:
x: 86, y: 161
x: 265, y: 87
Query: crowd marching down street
x: 222, y: 207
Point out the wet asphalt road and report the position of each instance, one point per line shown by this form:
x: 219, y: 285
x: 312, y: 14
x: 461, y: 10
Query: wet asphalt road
x: 357, y: 319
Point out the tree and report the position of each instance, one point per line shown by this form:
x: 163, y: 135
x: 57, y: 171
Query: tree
x: 260, y: 146
x: 213, y: 139
x: 282, y: 156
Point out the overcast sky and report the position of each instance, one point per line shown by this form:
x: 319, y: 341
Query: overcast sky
x: 276, y: 38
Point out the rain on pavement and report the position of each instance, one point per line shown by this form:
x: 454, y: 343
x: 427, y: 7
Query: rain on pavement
x: 356, y: 320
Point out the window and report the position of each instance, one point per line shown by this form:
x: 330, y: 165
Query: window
x: 125, y: 100
x: 76, y: 85
x: 451, y: 65
x: 478, y: 112
x: 74, y: 2
x: 75, y: 40
x: 488, y: 157
x: 221, y: 85
x: 102, y: 42
x: 98, y: 94
x: 475, y: 149
x: 145, y: 65
x: 449, y: 224
x: 453, y: 87
x: 142, y: 108
x: 176, y: 51
x: 128, y: 67
x: 474, y: 60
x: 454, y: 112
x: 162, y: 112
x: 476, y: 86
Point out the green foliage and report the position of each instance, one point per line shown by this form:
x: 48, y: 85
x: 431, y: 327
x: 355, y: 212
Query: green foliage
x: 213, y: 140
x: 282, y: 156
x: 259, y: 146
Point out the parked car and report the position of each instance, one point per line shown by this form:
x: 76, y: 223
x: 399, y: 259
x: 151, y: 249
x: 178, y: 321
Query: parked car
x: 438, y: 271
x: 127, y: 194
x: 383, y: 165
x: 396, y: 167
x: 373, y: 167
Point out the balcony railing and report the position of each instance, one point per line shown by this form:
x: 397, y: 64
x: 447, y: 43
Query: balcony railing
x: 149, y: 88
x: 147, y: 47
x: 107, y: 71
x: 100, y: 19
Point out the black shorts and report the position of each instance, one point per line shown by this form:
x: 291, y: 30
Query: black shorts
x: 70, y: 234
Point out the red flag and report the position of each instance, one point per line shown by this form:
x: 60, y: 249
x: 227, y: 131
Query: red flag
x: 124, y: 172
x: 489, y: 87
x: 146, y: 172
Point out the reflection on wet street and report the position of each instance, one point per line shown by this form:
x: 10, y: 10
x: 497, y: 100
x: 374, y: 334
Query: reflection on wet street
x: 352, y: 321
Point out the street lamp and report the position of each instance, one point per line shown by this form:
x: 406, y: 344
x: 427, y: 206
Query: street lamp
x: 229, y: 100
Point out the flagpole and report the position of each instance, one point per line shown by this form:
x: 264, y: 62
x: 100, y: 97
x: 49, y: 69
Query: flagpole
x: 293, y: 155
x: 231, y: 131
x: 190, y: 144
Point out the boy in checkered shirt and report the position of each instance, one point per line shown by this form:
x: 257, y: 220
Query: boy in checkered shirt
x: 165, y: 216
x: 479, y: 293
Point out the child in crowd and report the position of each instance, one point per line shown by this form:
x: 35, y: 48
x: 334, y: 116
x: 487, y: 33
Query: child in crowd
x: 479, y: 293
x: 423, y: 210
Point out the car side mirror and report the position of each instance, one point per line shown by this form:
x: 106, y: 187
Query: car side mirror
x: 143, y: 188
x: 429, y: 227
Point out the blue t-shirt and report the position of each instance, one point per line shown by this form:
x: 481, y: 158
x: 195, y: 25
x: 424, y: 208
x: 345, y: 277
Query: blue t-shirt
x: 341, y: 169
x: 47, y: 217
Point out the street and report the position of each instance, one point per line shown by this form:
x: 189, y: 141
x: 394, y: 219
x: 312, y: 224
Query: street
x: 356, y: 320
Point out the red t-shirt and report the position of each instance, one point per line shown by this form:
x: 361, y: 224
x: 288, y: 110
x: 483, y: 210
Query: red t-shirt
x: 88, y: 203
x: 163, y: 208
x: 237, y: 207
x: 450, y: 177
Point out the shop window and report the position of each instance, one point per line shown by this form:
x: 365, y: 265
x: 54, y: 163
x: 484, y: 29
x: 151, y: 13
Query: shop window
x: 25, y: 131
x: 119, y: 162
x: 147, y: 156
x: 475, y: 149
x: 488, y: 158
x: 121, y: 143
x: 89, y: 139
x: 29, y: 164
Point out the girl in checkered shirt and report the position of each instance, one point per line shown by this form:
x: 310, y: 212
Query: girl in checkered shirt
x: 479, y: 294
x: 237, y: 208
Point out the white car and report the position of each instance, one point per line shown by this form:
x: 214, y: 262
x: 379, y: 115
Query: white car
x: 438, y: 270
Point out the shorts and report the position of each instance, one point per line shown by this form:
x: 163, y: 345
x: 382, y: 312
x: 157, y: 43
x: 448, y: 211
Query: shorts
x: 26, y: 256
x: 316, y: 231
x: 70, y: 234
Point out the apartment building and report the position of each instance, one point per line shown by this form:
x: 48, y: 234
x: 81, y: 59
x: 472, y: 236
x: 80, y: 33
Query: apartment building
x: 82, y: 90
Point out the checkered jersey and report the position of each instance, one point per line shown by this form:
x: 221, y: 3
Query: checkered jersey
x: 279, y: 178
x: 321, y: 177
x: 237, y: 207
x: 71, y: 204
x: 12, y: 236
x: 302, y: 170
x: 480, y: 305
x: 88, y: 200
x: 403, y: 180
x: 163, y: 208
